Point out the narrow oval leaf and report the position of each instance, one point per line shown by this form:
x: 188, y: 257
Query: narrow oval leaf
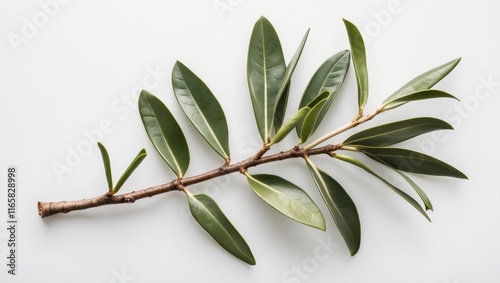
x: 288, y: 199
x: 310, y: 120
x: 298, y: 117
x: 202, y: 108
x: 402, y: 194
x: 290, y: 124
x: 324, y: 95
x: 285, y: 84
x: 359, y: 60
x: 424, y: 81
x: 423, y: 196
x: 340, y: 205
x: 279, y: 115
x: 413, y: 162
x: 164, y: 132
x: 265, y: 71
x: 208, y: 214
x: 329, y: 77
x: 107, y: 165
x: 414, y: 96
x: 396, y: 132
x: 133, y: 165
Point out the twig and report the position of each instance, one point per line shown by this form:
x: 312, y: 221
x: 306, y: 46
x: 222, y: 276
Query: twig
x: 357, y: 121
x: 46, y: 209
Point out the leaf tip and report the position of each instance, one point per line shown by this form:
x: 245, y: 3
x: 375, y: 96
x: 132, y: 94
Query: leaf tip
x: 321, y: 227
x: 251, y: 261
x: 353, y: 252
x: 178, y: 64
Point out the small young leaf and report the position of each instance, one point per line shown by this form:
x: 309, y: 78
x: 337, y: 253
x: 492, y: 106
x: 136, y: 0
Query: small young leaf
x: 340, y: 205
x: 413, y: 162
x: 137, y: 160
x: 107, y: 165
x: 404, y: 195
x: 329, y: 77
x: 208, y: 214
x: 310, y: 120
x: 202, y: 108
x: 265, y: 71
x: 285, y: 85
x: 423, y: 82
x: 359, y: 60
x: 288, y: 199
x: 290, y: 124
x: 414, y: 96
x: 298, y: 117
x: 396, y: 132
x: 164, y: 132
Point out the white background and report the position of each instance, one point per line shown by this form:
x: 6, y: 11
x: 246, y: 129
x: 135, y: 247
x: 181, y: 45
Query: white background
x: 70, y: 68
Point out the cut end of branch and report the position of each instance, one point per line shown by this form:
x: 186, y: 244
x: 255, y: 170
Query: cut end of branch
x: 45, y: 209
x: 40, y: 209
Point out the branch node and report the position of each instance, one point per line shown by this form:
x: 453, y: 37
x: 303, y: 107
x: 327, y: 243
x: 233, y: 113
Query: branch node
x: 178, y: 184
x: 129, y: 199
x: 262, y: 151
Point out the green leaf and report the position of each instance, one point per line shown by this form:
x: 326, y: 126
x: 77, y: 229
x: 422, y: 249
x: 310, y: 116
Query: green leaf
x: 208, y: 214
x: 420, y: 192
x: 329, y: 77
x: 107, y: 165
x: 310, y: 120
x: 413, y: 162
x: 423, y: 196
x: 290, y: 124
x: 422, y: 82
x: 285, y: 84
x: 297, y: 118
x: 396, y: 132
x: 404, y: 195
x: 324, y: 95
x: 279, y: 115
x: 414, y: 96
x: 359, y: 61
x: 288, y: 199
x: 164, y: 133
x: 340, y: 205
x: 137, y: 160
x: 202, y: 108
x: 265, y: 71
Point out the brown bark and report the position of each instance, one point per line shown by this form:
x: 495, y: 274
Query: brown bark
x: 46, y: 209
